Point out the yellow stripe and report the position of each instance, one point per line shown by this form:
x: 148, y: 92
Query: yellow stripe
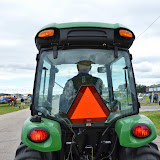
x: 159, y: 148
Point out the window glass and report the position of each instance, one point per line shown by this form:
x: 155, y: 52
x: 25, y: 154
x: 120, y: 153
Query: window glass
x: 59, y: 80
x: 44, y: 84
x: 121, y: 86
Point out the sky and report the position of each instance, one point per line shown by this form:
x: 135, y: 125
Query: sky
x: 21, y: 20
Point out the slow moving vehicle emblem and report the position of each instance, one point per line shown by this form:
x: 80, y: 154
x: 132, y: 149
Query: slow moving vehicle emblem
x: 88, y: 107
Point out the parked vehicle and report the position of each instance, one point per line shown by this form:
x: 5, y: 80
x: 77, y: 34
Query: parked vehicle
x: 7, y: 99
x: 93, y: 115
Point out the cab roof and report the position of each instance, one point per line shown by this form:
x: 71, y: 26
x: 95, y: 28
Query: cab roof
x: 84, y: 34
x: 83, y: 24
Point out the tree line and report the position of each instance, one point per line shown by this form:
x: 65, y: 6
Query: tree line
x: 142, y: 88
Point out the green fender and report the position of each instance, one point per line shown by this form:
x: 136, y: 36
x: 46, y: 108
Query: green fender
x: 53, y: 143
x: 123, y: 129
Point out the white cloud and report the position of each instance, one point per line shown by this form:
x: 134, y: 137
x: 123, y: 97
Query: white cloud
x: 8, y: 43
x: 143, y: 67
x: 21, y: 20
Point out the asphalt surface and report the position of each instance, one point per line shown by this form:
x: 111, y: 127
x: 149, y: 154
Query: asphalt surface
x: 11, y: 126
x: 150, y: 108
x: 10, y: 132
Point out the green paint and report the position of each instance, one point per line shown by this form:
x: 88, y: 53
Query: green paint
x: 83, y: 24
x: 123, y: 129
x: 53, y: 143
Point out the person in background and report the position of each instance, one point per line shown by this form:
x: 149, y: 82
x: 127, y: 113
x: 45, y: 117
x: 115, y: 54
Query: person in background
x: 22, y: 103
x: 10, y: 103
x: 150, y: 97
x: 155, y: 99
x: 29, y: 100
x: 15, y: 101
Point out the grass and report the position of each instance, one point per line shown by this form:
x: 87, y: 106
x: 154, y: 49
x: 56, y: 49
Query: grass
x: 146, y: 102
x: 5, y: 108
x: 154, y: 116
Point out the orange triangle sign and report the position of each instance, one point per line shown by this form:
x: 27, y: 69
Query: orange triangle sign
x: 88, y: 107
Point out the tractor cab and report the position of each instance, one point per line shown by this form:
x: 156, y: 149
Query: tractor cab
x: 84, y: 73
x: 84, y: 103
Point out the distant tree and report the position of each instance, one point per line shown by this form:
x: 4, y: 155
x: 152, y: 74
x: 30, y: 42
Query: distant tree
x: 154, y: 85
x: 121, y: 87
x: 141, y: 88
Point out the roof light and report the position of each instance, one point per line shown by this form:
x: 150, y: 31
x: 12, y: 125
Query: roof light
x: 46, y: 33
x: 88, y: 107
x: 38, y: 135
x: 141, y: 131
x: 125, y: 33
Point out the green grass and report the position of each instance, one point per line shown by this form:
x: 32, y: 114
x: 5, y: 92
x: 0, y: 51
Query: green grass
x: 146, y: 102
x: 5, y: 108
x: 154, y: 116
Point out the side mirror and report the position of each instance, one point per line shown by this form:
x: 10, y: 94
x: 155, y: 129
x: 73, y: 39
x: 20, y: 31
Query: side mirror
x: 101, y: 69
x: 56, y: 70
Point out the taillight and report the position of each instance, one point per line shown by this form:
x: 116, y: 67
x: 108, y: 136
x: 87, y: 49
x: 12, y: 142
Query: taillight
x: 38, y: 135
x: 141, y: 130
x: 46, y: 33
x: 125, y: 33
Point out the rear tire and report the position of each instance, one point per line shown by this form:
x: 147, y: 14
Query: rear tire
x: 26, y: 153
x: 147, y: 152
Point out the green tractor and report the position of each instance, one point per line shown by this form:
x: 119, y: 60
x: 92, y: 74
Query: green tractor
x: 85, y: 104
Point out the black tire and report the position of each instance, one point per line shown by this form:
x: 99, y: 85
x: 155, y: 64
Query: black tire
x: 153, y: 145
x: 26, y: 153
x: 147, y: 152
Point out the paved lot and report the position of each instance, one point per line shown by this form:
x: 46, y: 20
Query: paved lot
x: 10, y: 132
x: 150, y: 108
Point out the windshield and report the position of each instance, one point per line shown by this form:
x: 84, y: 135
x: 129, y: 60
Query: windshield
x: 59, y: 81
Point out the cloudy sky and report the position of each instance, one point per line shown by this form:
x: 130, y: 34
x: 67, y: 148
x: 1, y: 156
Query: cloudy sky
x: 21, y: 19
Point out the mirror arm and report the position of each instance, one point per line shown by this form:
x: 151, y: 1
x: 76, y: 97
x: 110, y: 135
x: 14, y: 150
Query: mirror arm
x: 115, y: 52
x: 55, y: 51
